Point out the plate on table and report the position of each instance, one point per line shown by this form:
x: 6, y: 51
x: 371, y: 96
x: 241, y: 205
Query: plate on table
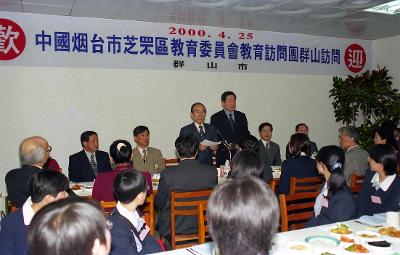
x: 298, y: 248
x: 322, y: 243
x: 380, y: 247
x: 357, y: 249
x: 340, y: 230
x: 368, y: 236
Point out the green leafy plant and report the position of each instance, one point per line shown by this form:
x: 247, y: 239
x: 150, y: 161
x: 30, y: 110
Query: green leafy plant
x: 367, y: 98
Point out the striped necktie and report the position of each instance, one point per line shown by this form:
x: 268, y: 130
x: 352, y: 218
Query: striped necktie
x: 93, y: 164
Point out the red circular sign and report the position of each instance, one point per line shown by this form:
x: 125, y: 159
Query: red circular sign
x: 355, y: 58
x: 12, y: 39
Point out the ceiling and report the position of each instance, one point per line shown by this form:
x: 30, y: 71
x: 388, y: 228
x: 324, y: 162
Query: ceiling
x: 336, y: 18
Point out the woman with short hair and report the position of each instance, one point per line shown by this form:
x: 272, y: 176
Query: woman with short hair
x: 245, y: 163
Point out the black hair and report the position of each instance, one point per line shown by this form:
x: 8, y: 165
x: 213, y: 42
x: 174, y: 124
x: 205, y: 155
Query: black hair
x: 128, y: 185
x: 265, y: 124
x: 243, y: 216
x: 121, y: 151
x: 246, y: 162
x: 226, y: 94
x: 85, y: 136
x: 385, y: 155
x: 300, y: 124
x: 140, y: 129
x: 333, y: 158
x: 197, y: 103
x: 186, y: 145
x: 387, y: 134
x: 299, y: 143
x: 249, y: 143
x: 67, y: 226
x: 46, y: 182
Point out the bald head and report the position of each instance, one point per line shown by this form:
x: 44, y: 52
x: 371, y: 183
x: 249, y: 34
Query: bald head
x: 33, y: 151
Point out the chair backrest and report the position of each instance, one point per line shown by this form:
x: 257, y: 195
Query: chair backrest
x: 309, y: 184
x: 273, y: 184
x: 148, y: 212
x: 296, y: 209
x: 108, y: 206
x: 356, y: 183
x: 202, y: 221
x: 186, y: 204
x: 171, y: 162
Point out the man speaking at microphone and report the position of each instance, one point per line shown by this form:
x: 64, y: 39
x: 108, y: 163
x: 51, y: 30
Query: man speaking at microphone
x: 232, y: 125
x: 202, y: 131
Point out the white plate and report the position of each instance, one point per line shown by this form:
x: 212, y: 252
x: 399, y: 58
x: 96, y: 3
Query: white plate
x: 368, y: 239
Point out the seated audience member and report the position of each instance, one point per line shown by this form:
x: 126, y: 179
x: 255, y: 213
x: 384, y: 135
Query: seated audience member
x: 130, y: 234
x: 52, y: 164
x: 335, y: 203
x: 69, y: 226
x: 356, y: 159
x: 385, y: 135
x: 189, y: 175
x: 244, y: 163
x: 269, y: 151
x: 250, y: 142
x: 243, y: 217
x: 145, y: 158
x: 303, y: 129
x: 380, y: 190
x: 202, y: 131
x: 299, y: 165
x: 33, y: 154
x: 84, y: 165
x: 44, y: 187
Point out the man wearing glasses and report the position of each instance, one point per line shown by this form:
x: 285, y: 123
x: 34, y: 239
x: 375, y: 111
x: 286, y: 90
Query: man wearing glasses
x: 33, y: 154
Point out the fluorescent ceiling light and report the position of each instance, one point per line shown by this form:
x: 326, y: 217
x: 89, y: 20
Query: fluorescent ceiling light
x: 387, y: 8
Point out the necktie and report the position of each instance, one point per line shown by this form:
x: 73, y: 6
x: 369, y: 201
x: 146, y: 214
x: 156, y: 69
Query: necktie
x: 144, y: 156
x: 93, y: 164
x: 201, y: 130
x: 231, y: 122
x: 267, y: 146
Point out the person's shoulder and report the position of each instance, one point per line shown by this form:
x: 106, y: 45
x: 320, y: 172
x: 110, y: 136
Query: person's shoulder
x: 218, y: 114
x: 12, y: 173
x: 188, y: 126
x: 99, y: 152
x: 274, y: 144
x: 12, y: 219
x: 152, y: 149
x: 76, y: 155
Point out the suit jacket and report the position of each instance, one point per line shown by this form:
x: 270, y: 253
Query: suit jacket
x: 299, y: 167
x: 271, y: 157
x: 356, y: 162
x: 221, y: 122
x: 13, y: 234
x: 313, y: 149
x: 17, y: 184
x: 123, y: 241
x: 80, y: 170
x: 155, y: 161
x: 205, y: 156
x: 189, y: 175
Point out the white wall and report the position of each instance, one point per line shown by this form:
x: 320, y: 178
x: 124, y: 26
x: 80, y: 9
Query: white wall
x: 60, y: 103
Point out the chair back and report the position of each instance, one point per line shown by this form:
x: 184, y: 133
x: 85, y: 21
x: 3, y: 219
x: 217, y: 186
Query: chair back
x: 171, y: 162
x: 309, y: 184
x: 296, y: 209
x: 108, y: 206
x: 147, y: 210
x: 202, y: 221
x: 356, y: 183
x: 273, y: 184
x: 186, y: 204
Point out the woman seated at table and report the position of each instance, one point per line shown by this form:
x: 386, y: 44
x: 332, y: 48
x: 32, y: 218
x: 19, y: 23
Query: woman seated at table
x: 385, y: 135
x: 380, y: 190
x: 335, y: 203
x: 300, y: 165
x: 120, y: 152
x: 130, y: 234
x: 245, y: 163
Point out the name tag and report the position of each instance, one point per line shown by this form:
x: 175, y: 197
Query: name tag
x: 325, y: 202
x: 144, y: 233
x: 376, y: 200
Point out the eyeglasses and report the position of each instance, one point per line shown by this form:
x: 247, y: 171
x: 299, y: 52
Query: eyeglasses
x: 49, y: 149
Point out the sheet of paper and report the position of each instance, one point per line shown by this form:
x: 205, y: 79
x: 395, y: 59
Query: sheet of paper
x: 209, y: 143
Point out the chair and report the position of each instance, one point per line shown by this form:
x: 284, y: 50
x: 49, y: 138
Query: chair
x: 273, y: 184
x: 296, y: 209
x: 356, y: 183
x: 171, y: 162
x: 147, y: 210
x: 309, y: 184
x: 186, y: 204
x: 108, y: 206
x: 202, y: 221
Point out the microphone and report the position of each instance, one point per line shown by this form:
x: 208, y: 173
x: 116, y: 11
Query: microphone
x: 224, y: 141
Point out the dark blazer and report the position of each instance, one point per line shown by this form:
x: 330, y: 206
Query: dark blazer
x: 189, y: 175
x: 299, y: 167
x: 205, y: 156
x: 80, y: 170
x: 341, y: 207
x: 390, y: 199
x: 221, y: 122
x: 13, y: 234
x: 313, y: 149
x: 17, y: 184
x: 123, y: 241
x: 271, y: 157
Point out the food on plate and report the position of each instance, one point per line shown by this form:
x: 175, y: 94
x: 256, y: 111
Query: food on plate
x: 346, y: 239
x: 390, y: 231
x: 327, y: 253
x: 298, y: 247
x: 322, y: 242
x: 369, y: 236
x: 77, y: 187
x: 357, y: 248
x: 342, y: 229
x: 380, y: 244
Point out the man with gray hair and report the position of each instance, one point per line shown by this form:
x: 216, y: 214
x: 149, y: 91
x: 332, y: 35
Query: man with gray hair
x: 356, y: 159
x: 33, y: 154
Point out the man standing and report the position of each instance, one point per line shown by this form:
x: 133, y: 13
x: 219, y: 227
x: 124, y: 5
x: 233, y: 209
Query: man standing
x: 356, y: 159
x: 33, y: 154
x: 189, y: 175
x: 84, y: 165
x: 303, y: 129
x: 202, y: 131
x: 231, y: 124
x: 145, y: 158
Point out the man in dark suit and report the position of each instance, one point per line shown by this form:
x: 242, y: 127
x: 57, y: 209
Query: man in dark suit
x: 84, y: 165
x: 202, y: 131
x: 231, y: 124
x: 33, y: 154
x: 268, y: 150
x: 189, y: 175
x: 303, y: 129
